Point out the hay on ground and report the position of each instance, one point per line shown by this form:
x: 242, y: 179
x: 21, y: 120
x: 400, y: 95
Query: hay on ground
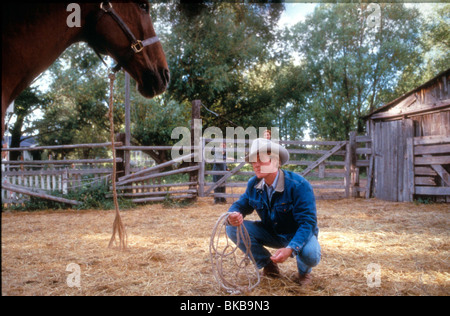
x: 168, y: 251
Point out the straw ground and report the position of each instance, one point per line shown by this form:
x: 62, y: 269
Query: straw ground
x: 169, y: 251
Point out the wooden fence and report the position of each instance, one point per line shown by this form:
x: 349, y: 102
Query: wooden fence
x: 43, y: 177
x: 333, y: 165
x: 428, y: 160
x: 154, y: 184
x: 20, y: 179
x: 50, y: 177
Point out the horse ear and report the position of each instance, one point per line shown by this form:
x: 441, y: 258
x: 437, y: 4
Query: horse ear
x: 190, y: 9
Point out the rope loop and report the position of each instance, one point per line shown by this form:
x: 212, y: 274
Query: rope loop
x: 233, y: 269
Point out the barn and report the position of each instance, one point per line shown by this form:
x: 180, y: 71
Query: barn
x: 411, y: 144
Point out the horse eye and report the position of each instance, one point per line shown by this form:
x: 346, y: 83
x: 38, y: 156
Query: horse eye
x: 144, y: 6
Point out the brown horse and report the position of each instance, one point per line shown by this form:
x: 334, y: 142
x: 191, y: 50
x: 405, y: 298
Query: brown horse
x: 35, y: 34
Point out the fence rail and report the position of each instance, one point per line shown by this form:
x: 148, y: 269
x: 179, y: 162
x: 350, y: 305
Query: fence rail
x: 50, y: 178
x: 335, y: 164
x: 429, y: 166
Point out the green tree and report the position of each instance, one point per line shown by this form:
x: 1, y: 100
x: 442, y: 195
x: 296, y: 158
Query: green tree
x: 30, y: 100
x: 290, y: 93
x: 212, y: 52
x: 152, y: 122
x: 353, y: 66
x: 435, y: 52
x: 78, y: 103
x: 437, y: 41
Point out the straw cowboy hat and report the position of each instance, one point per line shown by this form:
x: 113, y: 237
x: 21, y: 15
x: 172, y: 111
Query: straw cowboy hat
x: 265, y: 145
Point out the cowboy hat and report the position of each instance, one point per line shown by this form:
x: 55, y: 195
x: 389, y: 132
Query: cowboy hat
x: 265, y: 146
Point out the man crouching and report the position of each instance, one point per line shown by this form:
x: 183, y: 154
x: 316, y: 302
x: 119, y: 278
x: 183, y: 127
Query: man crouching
x: 286, y: 206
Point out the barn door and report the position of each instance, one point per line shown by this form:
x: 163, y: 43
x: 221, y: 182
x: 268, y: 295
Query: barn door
x: 393, y: 171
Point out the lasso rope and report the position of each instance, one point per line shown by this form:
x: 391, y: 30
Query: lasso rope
x: 118, y: 227
x: 232, y: 273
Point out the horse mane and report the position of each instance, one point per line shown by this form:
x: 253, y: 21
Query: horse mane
x: 17, y: 12
x: 16, y: 15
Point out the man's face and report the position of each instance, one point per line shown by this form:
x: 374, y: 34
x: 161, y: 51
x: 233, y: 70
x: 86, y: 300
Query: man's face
x: 265, y: 165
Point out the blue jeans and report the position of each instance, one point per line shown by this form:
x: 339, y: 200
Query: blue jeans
x: 307, y: 258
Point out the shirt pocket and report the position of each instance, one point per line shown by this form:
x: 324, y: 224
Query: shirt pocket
x: 257, y: 205
x: 284, y: 208
x: 284, y: 219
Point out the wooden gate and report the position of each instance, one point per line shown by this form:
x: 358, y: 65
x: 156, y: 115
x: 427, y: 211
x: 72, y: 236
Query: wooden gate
x: 331, y: 166
x: 429, y: 166
x: 137, y: 187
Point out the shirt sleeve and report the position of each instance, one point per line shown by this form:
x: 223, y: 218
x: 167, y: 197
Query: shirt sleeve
x: 305, y: 214
x: 242, y: 205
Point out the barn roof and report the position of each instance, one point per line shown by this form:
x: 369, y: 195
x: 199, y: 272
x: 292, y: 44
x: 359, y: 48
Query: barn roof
x: 410, y: 97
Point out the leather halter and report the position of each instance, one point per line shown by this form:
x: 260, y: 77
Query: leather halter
x: 136, y: 45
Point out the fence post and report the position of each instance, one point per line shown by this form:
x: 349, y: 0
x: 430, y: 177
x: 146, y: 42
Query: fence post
x: 369, y: 186
x: 347, y: 169
x: 64, y: 181
x: 410, y: 168
x: 370, y: 127
x: 201, y: 170
x: 49, y: 177
x: 350, y: 166
x: 120, y: 153
x: 322, y: 170
x: 194, y: 176
x: 353, y: 171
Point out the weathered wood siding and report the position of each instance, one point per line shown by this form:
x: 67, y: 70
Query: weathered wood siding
x: 392, y: 171
x: 424, y: 111
x: 432, y: 124
x: 430, y: 97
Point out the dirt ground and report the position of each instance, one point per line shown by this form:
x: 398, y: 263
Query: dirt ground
x: 369, y: 247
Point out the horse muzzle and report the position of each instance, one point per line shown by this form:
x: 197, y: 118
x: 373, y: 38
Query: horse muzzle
x: 154, y: 83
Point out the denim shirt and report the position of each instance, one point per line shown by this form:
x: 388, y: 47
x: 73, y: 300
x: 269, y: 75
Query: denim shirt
x: 290, y: 214
x: 271, y: 188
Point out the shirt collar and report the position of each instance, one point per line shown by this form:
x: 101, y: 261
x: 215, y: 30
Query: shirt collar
x: 278, y: 183
x: 275, y: 181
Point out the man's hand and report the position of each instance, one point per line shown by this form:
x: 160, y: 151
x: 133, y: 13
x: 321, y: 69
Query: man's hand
x: 235, y: 219
x: 281, y: 255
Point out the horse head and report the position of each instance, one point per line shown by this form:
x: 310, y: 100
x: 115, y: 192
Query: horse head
x: 124, y: 31
x: 35, y: 34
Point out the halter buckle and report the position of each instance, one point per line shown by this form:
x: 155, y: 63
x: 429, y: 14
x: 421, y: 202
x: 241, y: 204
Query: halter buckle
x: 137, y: 46
x: 106, y: 9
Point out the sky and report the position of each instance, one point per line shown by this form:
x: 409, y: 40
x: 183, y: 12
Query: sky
x: 295, y: 13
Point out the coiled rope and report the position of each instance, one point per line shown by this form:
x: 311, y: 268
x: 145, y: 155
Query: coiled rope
x: 233, y: 269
